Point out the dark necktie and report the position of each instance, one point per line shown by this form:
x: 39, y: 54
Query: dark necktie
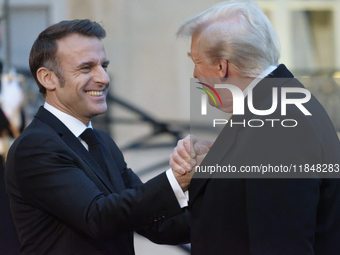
x: 94, y: 147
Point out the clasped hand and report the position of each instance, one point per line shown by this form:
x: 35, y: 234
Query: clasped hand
x: 188, y: 153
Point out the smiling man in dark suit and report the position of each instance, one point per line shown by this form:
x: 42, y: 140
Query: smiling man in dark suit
x: 235, y: 43
x: 70, y: 189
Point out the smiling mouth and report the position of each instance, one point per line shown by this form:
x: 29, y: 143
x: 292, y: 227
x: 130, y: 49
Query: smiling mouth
x: 95, y: 93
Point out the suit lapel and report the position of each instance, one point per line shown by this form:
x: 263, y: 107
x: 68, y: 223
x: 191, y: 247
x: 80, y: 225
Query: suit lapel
x: 113, y: 171
x: 227, y: 138
x: 73, y: 142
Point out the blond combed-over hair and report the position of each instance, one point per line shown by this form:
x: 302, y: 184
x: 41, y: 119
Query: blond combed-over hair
x: 238, y: 31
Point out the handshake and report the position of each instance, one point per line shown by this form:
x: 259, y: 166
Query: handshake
x: 188, y: 153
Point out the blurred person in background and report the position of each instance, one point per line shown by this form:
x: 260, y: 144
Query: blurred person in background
x: 70, y: 189
x: 9, y: 243
x: 235, y: 43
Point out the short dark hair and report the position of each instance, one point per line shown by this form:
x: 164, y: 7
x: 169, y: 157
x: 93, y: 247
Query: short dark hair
x: 44, y: 49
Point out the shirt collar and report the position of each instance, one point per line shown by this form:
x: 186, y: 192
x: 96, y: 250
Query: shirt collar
x: 73, y: 124
x: 264, y: 74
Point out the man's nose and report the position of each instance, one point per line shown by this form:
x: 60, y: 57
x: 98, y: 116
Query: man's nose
x: 195, y: 73
x: 101, y: 77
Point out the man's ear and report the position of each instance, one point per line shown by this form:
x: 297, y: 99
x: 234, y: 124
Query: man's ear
x: 223, y: 68
x: 47, y: 78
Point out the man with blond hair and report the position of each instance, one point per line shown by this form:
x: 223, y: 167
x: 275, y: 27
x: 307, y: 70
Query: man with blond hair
x: 235, y: 43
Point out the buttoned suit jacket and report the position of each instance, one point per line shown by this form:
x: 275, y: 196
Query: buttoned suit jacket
x: 63, y: 203
x: 277, y: 215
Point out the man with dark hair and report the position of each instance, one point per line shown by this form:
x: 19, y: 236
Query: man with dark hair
x: 44, y: 49
x: 70, y: 189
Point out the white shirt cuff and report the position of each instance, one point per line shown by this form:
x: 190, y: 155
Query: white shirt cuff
x: 182, y: 198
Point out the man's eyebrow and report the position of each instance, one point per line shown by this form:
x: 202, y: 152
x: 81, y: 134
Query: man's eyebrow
x: 93, y: 63
x: 189, y: 55
x: 87, y: 63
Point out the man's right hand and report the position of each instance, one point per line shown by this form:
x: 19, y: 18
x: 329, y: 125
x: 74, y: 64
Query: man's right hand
x: 188, y: 153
